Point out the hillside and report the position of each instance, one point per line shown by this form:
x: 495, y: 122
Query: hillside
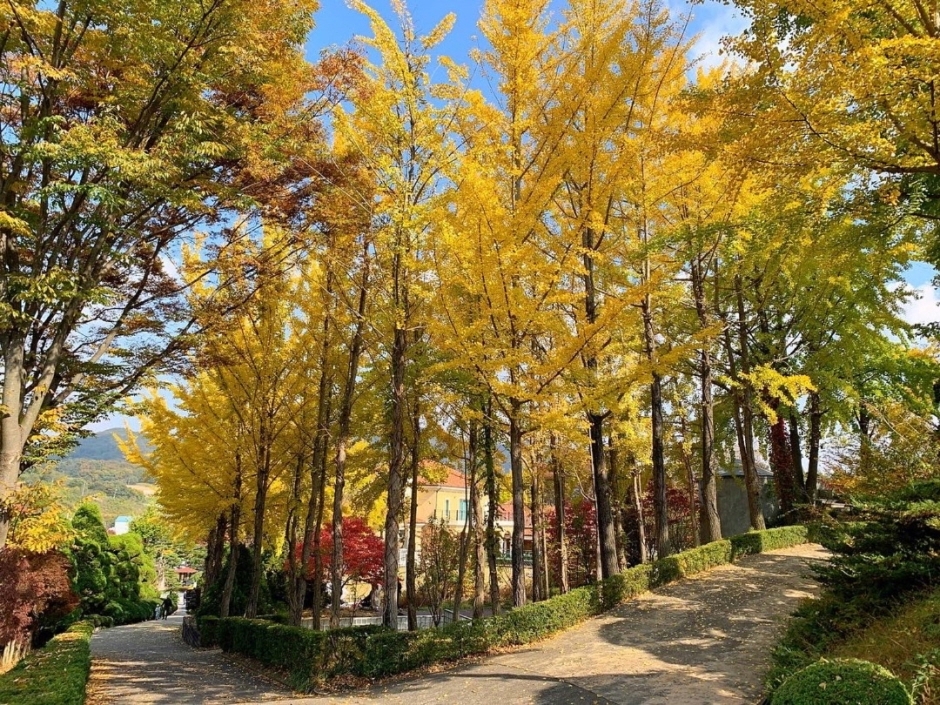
x: 97, y: 469
x: 101, y: 446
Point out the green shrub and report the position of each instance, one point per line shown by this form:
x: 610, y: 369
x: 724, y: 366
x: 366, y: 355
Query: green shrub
x: 208, y: 631
x: 54, y: 675
x: 625, y: 586
x: 888, y: 554
x: 306, y: 654
x: 755, y: 542
x: 842, y: 682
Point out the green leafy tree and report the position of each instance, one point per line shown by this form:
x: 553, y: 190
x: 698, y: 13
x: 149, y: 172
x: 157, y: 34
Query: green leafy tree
x: 126, y: 125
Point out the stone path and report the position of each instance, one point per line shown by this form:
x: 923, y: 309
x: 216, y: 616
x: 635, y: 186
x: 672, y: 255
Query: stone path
x: 702, y: 640
x: 150, y: 663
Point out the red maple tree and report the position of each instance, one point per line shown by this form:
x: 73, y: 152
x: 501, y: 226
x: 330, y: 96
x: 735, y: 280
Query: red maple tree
x: 363, y: 553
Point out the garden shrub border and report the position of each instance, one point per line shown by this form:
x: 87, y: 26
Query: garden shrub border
x: 54, y: 675
x: 310, y: 656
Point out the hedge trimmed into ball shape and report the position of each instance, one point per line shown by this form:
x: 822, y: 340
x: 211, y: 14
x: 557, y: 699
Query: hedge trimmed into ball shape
x: 842, y: 682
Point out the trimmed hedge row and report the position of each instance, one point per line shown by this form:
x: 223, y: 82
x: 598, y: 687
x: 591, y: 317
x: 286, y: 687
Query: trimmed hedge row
x: 54, y: 675
x: 374, y: 652
x: 307, y: 655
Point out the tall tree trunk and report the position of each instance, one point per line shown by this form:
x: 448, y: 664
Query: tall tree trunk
x: 518, y: 504
x: 797, y: 451
x: 215, y: 550
x: 492, y: 492
x: 411, y: 572
x: 12, y: 434
x: 815, y: 433
x: 781, y: 460
x: 690, y: 489
x: 536, y: 558
x: 607, y: 534
x: 234, y: 527
x: 637, y: 497
x: 710, y: 520
x: 342, y: 439
x: 395, y: 472
x: 476, y: 516
x: 295, y: 565
x: 462, y: 553
x: 261, y: 495
x: 317, y: 592
x: 660, y: 486
x: 559, y: 482
x: 613, y: 459
x: 743, y: 416
x: 313, y: 522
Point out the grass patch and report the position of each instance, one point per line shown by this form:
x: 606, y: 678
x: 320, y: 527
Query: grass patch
x: 906, y: 642
x: 54, y: 675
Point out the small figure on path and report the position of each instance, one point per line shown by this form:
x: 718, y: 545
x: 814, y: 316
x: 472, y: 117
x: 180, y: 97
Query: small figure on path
x: 167, y: 606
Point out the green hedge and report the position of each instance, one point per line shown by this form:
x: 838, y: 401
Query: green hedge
x: 306, y: 654
x: 842, y: 682
x: 54, y: 675
x: 374, y: 652
x: 208, y: 631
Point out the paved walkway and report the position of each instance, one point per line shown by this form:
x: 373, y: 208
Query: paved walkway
x: 703, y: 640
x: 150, y: 663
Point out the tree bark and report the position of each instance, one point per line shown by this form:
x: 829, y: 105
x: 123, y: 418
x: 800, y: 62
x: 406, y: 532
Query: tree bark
x: 559, y: 482
x: 317, y: 592
x: 536, y: 549
x: 261, y: 494
x: 476, y: 516
x: 518, y: 504
x: 797, y: 451
x: 462, y: 552
x: 815, y: 433
x: 640, y: 518
x: 710, y: 519
x: 492, y: 491
x: 234, y: 527
x: 395, y: 471
x: 781, y: 460
x: 743, y: 415
x: 607, y: 535
x: 12, y: 435
x: 613, y: 460
x: 215, y: 551
x: 411, y: 573
x: 296, y: 568
x: 342, y: 439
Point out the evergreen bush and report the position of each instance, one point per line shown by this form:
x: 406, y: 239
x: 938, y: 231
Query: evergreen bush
x: 842, y: 682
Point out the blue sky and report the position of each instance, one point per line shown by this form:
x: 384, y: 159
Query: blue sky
x: 336, y: 24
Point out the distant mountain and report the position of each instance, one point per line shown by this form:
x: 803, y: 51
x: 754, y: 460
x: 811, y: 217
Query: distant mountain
x: 97, y: 469
x: 101, y: 446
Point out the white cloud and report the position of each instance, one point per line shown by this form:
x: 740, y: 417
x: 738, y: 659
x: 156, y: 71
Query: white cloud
x: 711, y: 22
x: 923, y: 306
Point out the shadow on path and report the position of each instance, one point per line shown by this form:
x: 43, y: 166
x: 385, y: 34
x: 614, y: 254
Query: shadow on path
x: 150, y: 663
